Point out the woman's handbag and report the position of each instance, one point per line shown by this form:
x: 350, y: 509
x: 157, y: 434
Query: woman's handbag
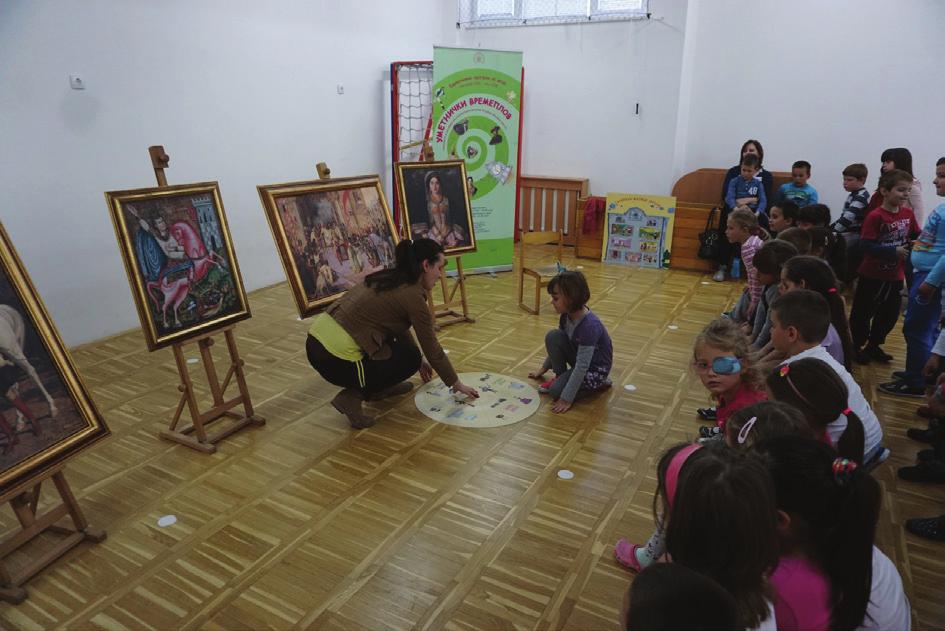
x: 709, y: 238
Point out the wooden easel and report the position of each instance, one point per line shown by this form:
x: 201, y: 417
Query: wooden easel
x: 445, y: 314
x: 25, y: 502
x: 195, y: 435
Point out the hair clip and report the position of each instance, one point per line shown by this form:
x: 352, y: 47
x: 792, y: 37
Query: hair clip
x: 832, y: 290
x: 846, y: 412
x: 746, y: 428
x: 784, y: 370
x: 842, y: 470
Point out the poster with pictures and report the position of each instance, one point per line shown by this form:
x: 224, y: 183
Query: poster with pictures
x: 639, y: 230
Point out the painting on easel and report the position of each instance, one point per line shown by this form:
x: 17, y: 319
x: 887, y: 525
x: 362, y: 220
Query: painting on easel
x: 435, y: 198
x: 46, y: 414
x: 180, y: 261
x: 330, y: 235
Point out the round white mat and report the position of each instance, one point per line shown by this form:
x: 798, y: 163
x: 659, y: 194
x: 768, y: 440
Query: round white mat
x: 503, y: 400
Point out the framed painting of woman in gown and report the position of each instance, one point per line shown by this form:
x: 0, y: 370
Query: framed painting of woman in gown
x: 435, y: 199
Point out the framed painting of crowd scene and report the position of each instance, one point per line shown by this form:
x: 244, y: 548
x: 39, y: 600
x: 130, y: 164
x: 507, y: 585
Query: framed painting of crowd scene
x: 330, y: 234
x: 180, y: 261
x: 46, y: 414
x: 435, y: 198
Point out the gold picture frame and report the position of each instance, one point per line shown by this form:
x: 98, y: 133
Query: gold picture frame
x: 443, y: 214
x: 330, y: 234
x: 55, y: 418
x: 179, y: 258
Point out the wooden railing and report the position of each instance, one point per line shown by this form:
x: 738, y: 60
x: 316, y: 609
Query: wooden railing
x: 550, y: 203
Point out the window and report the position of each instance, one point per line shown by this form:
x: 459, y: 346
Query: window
x: 495, y: 13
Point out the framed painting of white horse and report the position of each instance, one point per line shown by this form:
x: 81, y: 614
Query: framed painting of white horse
x: 180, y: 261
x: 46, y: 414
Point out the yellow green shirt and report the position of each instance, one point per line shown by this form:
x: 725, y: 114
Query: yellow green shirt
x: 335, y: 339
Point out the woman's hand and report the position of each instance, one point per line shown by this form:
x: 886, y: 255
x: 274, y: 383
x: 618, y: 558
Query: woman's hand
x: 426, y: 371
x: 561, y: 406
x: 537, y: 374
x: 462, y: 388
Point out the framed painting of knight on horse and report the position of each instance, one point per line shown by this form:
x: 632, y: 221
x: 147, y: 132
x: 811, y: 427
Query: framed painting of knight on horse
x: 46, y: 413
x: 180, y: 261
x: 330, y: 234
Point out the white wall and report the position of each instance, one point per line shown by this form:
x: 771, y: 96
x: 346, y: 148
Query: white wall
x: 582, y: 82
x: 828, y: 82
x: 239, y: 91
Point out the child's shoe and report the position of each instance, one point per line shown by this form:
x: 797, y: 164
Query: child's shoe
x: 545, y: 388
x: 706, y: 414
x: 626, y: 555
x: 719, y: 275
x: 931, y: 528
x: 710, y: 432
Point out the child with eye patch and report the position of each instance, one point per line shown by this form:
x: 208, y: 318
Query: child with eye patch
x: 720, y: 358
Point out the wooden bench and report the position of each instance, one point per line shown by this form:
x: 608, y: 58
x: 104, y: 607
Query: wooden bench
x: 697, y: 193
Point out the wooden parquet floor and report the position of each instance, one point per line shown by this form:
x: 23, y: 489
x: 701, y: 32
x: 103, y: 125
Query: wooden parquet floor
x: 410, y: 524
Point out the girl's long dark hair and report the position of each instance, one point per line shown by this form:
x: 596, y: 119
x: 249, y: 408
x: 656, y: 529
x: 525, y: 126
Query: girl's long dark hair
x: 723, y: 524
x: 834, y: 516
x: 409, y: 256
x: 817, y: 390
x: 817, y: 276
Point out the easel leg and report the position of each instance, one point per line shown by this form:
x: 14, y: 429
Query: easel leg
x: 241, y: 379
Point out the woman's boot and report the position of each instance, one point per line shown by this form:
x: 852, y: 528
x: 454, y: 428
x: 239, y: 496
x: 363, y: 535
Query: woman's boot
x: 348, y: 402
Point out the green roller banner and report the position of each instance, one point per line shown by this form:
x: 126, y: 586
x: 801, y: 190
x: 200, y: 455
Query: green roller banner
x: 476, y: 100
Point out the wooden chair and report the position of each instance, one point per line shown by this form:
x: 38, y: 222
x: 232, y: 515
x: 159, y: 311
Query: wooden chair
x: 541, y: 273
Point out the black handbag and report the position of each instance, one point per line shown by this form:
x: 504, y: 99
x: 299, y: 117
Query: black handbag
x: 709, y: 238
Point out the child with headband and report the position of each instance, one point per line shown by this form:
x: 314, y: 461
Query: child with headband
x: 636, y: 557
x: 811, y: 386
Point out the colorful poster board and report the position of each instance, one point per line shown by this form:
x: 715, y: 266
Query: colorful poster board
x: 639, y: 230
x: 476, y: 107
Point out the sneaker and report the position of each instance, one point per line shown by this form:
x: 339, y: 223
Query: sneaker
x: 902, y: 389
x: 719, y: 275
x: 862, y: 357
x: 925, y: 412
x: 929, y: 436
x: 877, y: 353
x: 928, y: 528
x: 928, y: 471
x: 545, y: 388
x: 899, y: 375
x: 706, y: 414
x: 925, y: 455
x: 710, y: 431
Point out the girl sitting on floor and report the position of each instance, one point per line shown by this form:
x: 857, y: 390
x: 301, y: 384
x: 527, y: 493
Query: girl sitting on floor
x: 579, y: 351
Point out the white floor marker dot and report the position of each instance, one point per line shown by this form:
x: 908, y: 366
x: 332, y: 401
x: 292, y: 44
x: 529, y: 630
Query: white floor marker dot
x: 705, y: 282
x: 630, y: 387
x: 167, y: 520
x: 446, y: 351
x: 298, y: 318
x: 580, y: 267
x: 672, y: 327
x: 565, y: 474
x: 192, y: 360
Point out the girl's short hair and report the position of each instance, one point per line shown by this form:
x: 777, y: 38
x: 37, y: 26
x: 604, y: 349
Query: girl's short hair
x: 834, y: 508
x: 723, y: 524
x: 814, y: 388
x: 725, y: 335
x: 573, y: 286
x: 765, y: 420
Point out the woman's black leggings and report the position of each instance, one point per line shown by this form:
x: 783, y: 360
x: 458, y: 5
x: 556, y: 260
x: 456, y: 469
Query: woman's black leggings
x: 377, y: 374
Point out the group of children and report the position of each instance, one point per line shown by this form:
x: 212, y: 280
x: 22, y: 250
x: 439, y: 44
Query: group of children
x: 768, y: 519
